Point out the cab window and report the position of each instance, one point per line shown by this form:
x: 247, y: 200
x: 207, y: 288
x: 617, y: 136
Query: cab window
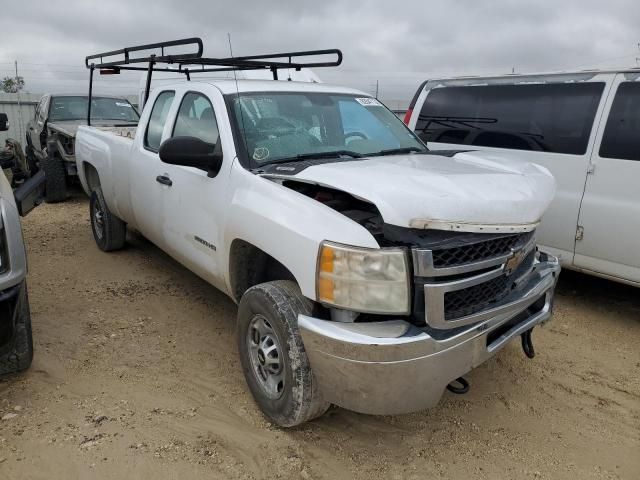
x: 621, y: 137
x: 196, y: 118
x: 157, y: 120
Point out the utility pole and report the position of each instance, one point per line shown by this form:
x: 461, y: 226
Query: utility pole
x: 21, y: 134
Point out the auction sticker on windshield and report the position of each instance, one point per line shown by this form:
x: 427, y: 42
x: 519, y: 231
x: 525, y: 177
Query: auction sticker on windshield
x: 368, y: 102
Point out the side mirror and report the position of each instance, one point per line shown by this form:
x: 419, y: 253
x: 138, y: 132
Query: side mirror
x: 30, y: 194
x: 4, y: 122
x: 192, y: 152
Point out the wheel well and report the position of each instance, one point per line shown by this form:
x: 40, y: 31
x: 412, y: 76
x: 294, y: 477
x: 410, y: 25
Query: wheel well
x: 91, y: 174
x: 249, y: 266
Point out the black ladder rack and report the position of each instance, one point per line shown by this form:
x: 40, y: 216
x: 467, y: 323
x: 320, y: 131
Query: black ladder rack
x: 155, y: 54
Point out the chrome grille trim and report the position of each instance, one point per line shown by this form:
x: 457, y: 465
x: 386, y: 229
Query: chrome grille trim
x: 423, y: 262
x: 487, y: 270
x: 542, y: 277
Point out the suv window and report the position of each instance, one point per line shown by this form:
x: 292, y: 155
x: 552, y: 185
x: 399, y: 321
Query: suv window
x: 158, y: 118
x: 621, y: 137
x: 196, y: 118
x: 546, y: 117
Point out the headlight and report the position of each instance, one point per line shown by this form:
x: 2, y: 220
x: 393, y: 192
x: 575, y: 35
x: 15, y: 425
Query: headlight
x: 363, y: 279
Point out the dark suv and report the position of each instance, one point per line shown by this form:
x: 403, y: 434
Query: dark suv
x: 51, y: 134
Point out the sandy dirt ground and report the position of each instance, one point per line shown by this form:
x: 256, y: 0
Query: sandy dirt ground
x: 136, y: 376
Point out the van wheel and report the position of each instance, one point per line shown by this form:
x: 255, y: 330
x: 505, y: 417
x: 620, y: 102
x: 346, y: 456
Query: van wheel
x: 272, y: 354
x: 109, y: 231
x: 20, y: 355
x: 55, y: 179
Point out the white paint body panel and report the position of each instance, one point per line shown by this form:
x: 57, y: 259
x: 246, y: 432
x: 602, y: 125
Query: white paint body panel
x: 240, y: 205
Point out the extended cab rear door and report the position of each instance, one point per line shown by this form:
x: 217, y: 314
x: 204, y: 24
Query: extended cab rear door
x: 147, y: 172
x: 609, y: 222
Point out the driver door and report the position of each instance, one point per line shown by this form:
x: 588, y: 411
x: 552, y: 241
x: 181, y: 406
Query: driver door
x: 193, y: 205
x: 37, y: 125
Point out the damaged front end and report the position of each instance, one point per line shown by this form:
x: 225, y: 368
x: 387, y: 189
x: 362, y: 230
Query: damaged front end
x: 61, y: 144
x: 470, y: 294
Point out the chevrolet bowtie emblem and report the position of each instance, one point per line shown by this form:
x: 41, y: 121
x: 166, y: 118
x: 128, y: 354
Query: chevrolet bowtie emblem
x: 513, y: 261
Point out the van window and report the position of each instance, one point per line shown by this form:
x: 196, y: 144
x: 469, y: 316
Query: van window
x: 153, y: 135
x: 546, y: 117
x: 621, y: 137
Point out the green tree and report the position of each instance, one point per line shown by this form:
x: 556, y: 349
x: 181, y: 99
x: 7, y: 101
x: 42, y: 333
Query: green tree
x: 11, y: 84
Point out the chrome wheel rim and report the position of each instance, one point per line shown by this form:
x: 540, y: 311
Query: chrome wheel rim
x: 265, y: 354
x: 98, y: 220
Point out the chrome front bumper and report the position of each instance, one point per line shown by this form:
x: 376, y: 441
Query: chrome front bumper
x: 394, y: 367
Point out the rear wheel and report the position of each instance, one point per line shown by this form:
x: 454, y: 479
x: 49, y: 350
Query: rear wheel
x: 55, y: 179
x: 272, y: 354
x: 109, y: 231
x: 20, y: 354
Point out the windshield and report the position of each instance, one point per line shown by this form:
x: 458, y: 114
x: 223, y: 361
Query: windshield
x: 288, y: 126
x: 102, y: 108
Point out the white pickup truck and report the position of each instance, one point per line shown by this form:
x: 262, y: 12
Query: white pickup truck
x: 370, y: 273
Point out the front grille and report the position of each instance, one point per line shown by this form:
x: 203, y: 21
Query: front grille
x: 468, y: 301
x: 475, y: 252
x: 460, y: 303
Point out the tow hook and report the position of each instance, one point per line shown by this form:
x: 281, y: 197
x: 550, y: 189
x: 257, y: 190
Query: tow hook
x: 458, y: 390
x: 527, y: 344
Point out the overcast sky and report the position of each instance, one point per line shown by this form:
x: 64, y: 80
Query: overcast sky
x: 399, y: 43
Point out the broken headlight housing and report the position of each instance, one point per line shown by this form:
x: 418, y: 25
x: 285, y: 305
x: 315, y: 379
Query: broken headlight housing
x: 366, y: 280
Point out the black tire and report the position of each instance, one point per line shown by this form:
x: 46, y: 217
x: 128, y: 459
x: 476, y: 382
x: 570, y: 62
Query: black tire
x: 109, y: 231
x: 20, y: 354
x: 55, y: 179
x: 297, y: 399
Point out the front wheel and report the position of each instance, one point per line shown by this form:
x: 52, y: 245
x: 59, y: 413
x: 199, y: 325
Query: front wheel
x: 109, y: 231
x: 55, y: 179
x: 20, y: 354
x: 272, y: 354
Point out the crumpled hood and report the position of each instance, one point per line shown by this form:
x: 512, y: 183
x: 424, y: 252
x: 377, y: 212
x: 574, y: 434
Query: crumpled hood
x: 470, y: 191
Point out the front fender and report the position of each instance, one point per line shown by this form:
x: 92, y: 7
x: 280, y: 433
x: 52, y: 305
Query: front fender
x: 285, y: 224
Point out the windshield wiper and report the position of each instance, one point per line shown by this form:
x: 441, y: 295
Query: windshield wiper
x: 398, y: 151
x: 314, y: 155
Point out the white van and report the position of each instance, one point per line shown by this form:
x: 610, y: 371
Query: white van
x: 583, y: 126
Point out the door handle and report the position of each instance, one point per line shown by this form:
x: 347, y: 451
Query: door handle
x: 164, y: 180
